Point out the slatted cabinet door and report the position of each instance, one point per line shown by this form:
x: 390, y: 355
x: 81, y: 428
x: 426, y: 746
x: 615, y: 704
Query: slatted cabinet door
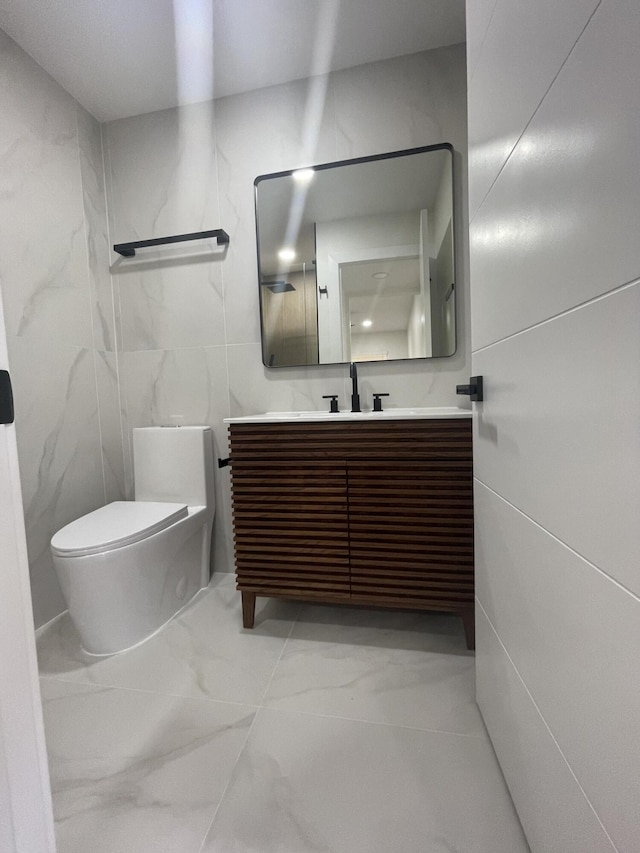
x: 374, y: 512
x: 411, y: 533
x: 291, y: 531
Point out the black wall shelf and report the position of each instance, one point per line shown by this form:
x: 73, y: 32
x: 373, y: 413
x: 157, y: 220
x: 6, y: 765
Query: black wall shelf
x: 128, y: 250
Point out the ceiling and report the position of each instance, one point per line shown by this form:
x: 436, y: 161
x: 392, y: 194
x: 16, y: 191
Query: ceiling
x: 125, y: 57
x: 386, y: 302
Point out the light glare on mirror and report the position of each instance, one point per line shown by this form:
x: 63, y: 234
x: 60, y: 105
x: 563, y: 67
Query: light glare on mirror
x: 303, y: 176
x: 287, y: 254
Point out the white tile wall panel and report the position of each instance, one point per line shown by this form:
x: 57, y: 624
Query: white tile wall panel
x: 106, y: 368
x: 560, y: 224
x: 401, y: 103
x: 43, y: 262
x: 555, y: 263
x: 59, y: 448
x: 573, y: 635
x: 95, y: 224
x: 479, y: 14
x: 254, y: 388
x: 56, y: 290
x: 540, y: 780
x: 161, y: 173
x: 522, y: 50
x: 558, y: 433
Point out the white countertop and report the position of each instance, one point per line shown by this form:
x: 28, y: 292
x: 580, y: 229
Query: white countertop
x: 324, y: 417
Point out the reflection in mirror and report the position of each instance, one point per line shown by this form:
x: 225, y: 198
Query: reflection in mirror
x: 356, y: 260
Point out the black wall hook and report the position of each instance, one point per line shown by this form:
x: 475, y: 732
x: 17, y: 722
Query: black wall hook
x: 475, y: 389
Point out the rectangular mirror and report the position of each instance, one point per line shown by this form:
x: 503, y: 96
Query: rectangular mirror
x: 356, y: 260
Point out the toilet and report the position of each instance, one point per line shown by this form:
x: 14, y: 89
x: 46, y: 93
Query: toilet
x: 126, y: 569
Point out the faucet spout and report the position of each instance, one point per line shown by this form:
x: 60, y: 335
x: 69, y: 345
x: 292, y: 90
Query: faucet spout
x: 355, y: 396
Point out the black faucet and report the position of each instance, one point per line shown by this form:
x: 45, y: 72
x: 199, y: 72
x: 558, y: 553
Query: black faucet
x: 355, y: 397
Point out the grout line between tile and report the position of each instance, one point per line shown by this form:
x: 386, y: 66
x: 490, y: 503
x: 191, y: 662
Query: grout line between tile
x: 534, y: 113
x: 284, y: 646
x: 251, y: 727
x: 101, y: 685
x: 91, y: 292
x: 482, y: 737
x: 116, y: 316
x: 179, y: 349
x: 561, y: 542
x: 627, y: 285
x: 226, y: 787
x: 233, y: 770
x: 544, y: 722
x: 472, y: 71
x: 225, y: 283
x: 380, y: 723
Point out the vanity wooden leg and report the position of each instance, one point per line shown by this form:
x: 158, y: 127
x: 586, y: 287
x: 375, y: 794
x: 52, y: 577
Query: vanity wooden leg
x: 248, y: 609
x: 469, y: 621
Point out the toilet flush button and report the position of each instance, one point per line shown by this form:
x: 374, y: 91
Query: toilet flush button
x: 181, y: 588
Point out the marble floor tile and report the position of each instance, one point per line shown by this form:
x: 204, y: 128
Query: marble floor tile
x: 409, y: 669
x: 306, y: 783
x: 396, y: 629
x: 204, y: 652
x: 136, y: 771
x: 367, y: 737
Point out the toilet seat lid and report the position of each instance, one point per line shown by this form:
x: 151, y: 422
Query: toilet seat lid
x: 113, y: 526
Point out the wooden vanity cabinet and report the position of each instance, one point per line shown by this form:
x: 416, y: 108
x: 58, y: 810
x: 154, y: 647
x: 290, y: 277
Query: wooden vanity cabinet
x: 361, y: 512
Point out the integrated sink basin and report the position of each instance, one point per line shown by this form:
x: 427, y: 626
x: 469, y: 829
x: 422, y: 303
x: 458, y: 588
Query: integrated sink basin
x: 387, y: 414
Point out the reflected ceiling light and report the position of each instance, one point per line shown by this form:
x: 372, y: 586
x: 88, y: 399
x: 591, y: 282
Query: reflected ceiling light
x: 367, y: 323
x: 286, y: 254
x: 303, y: 176
x: 380, y: 275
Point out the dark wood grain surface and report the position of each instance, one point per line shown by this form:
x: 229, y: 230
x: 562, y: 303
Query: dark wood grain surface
x: 367, y: 512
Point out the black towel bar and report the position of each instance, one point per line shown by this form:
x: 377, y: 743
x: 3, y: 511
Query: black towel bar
x: 128, y: 250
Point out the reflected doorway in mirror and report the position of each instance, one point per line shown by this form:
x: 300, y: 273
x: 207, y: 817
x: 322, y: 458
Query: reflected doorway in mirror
x: 347, y: 230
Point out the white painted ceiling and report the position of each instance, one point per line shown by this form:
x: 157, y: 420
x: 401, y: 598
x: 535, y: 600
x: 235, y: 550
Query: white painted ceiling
x: 125, y: 57
x: 386, y: 302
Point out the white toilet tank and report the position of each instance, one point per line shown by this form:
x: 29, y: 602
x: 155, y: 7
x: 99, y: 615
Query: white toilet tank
x: 174, y: 464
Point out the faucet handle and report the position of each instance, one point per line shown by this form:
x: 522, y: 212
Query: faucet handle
x: 377, y: 402
x: 333, y: 409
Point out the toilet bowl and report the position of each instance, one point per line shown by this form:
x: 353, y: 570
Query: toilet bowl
x: 127, y: 568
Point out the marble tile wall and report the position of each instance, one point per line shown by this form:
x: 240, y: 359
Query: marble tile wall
x: 555, y: 271
x: 98, y: 346
x: 58, y: 309
x: 190, y: 330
